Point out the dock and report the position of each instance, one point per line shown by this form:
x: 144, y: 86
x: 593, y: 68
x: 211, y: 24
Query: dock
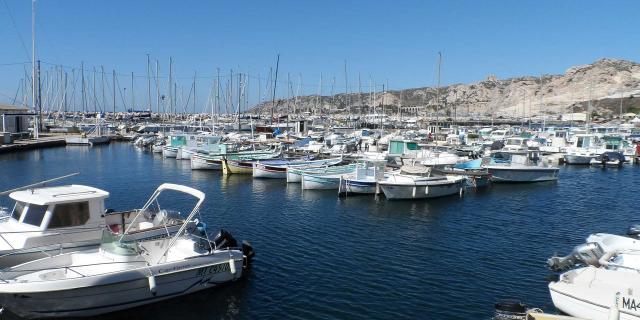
x: 30, y: 144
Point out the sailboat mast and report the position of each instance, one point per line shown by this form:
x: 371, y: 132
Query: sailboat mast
x: 133, y: 96
x: 148, y: 85
x: 275, y: 84
x: 33, y: 69
x: 83, y: 88
x: 104, y: 99
x: 113, y: 84
x: 170, y: 84
x: 438, y: 93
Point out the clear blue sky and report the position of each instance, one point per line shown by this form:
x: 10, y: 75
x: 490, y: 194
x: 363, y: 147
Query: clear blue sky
x: 390, y: 41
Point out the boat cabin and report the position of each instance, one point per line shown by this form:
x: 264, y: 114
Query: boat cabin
x: 497, y: 135
x: 585, y: 141
x: 515, y: 144
x: 55, y: 208
x: 400, y: 147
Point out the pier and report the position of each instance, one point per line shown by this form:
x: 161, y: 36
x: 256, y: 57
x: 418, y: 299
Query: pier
x: 30, y: 144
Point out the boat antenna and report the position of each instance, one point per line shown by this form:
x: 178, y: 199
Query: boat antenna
x: 41, y: 183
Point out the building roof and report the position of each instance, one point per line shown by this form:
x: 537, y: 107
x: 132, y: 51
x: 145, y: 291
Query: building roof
x: 12, y: 108
x: 61, y: 194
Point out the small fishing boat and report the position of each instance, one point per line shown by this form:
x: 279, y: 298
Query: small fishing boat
x: 364, y: 180
x: 324, y: 180
x: 125, y: 271
x: 404, y: 186
x: 277, y: 169
x: 294, y: 175
x: 206, y: 162
x: 213, y: 161
x: 609, y: 159
x: 237, y: 166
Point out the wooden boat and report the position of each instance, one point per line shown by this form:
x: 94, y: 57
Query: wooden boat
x: 237, y: 166
x: 277, y: 169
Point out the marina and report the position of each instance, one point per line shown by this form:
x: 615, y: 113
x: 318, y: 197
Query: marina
x: 319, y: 160
x: 339, y: 240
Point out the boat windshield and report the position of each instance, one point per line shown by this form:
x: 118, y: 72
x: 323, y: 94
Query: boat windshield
x: 111, y: 244
x: 17, y: 210
x: 34, y: 214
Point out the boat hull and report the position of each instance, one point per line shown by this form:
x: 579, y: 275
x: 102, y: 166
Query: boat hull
x: 97, y: 295
x: 293, y: 177
x: 578, y: 159
x: 269, y: 172
x: 237, y: 167
x: 360, y: 187
x: 311, y: 182
x: 201, y: 163
x: 170, y: 152
x: 508, y: 174
x: 404, y: 191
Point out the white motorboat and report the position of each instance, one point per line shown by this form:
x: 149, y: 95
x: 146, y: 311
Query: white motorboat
x: 606, y: 282
x: 50, y: 220
x: 125, y: 271
x: 583, y: 149
x: 521, y: 169
x: 409, y: 186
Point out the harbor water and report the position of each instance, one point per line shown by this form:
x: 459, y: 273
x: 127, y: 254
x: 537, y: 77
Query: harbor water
x: 359, y: 257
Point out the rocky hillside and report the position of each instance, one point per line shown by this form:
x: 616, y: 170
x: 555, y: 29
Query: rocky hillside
x: 603, y: 83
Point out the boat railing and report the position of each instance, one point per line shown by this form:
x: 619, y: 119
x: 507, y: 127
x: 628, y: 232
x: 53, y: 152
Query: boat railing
x: 50, y: 249
x: 71, y: 231
x: 73, y: 268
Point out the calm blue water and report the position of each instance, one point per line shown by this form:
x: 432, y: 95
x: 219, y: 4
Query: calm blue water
x: 322, y: 257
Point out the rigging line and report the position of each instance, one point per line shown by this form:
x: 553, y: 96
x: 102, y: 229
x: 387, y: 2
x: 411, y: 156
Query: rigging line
x: 15, y: 26
x: 14, y: 64
x: 207, y: 77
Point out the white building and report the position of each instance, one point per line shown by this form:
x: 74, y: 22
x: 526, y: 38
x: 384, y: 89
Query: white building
x: 574, y: 117
x: 14, y: 119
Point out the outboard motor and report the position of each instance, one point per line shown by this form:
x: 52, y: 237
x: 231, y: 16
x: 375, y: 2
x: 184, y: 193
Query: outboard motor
x: 248, y: 252
x: 586, y: 254
x: 634, y: 231
x: 224, y: 240
x: 510, y: 310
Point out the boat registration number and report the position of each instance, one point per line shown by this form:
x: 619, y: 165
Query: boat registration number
x: 218, y: 268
